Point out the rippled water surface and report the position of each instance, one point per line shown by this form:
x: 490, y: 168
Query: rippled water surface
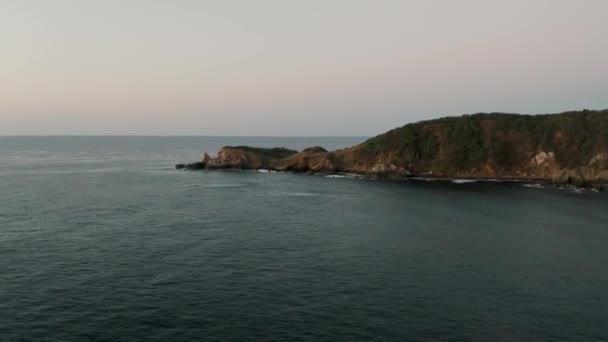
x: 101, y: 240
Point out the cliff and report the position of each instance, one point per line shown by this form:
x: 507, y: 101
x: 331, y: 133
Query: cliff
x: 557, y: 147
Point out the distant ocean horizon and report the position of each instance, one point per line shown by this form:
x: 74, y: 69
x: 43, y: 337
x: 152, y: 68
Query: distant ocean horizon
x: 176, y: 136
x: 102, y: 239
x: 162, y: 150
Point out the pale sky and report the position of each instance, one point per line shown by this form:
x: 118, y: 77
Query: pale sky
x: 326, y: 67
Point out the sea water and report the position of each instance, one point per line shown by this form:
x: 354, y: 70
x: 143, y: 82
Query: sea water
x: 102, y: 240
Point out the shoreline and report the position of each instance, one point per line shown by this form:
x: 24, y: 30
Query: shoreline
x: 540, y: 183
x: 565, y: 150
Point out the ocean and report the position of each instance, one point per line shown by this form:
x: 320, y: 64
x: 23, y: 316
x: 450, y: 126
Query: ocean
x: 102, y: 240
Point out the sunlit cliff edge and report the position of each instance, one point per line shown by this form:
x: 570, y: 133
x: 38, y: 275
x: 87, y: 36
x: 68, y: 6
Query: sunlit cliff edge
x: 565, y: 147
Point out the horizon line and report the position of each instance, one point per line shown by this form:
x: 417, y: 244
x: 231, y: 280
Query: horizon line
x: 181, y: 135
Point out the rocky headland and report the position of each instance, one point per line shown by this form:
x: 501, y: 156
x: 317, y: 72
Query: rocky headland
x: 567, y: 148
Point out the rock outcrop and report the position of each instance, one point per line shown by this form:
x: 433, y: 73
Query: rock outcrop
x: 245, y: 157
x: 566, y: 147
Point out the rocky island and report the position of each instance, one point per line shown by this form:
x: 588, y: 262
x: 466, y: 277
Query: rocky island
x: 566, y: 148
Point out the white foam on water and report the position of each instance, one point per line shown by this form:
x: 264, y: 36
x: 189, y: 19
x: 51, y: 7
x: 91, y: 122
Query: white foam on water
x: 345, y: 175
x: 294, y: 194
x: 534, y: 185
x: 227, y: 185
x: 463, y: 181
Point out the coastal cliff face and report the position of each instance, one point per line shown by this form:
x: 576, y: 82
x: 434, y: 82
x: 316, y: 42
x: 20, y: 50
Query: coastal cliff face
x: 245, y: 157
x: 557, y: 147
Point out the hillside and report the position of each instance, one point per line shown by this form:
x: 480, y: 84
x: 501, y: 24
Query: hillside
x: 560, y: 147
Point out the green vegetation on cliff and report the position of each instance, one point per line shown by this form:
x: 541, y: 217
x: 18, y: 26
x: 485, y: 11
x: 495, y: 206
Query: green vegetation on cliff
x: 562, y: 147
x: 501, y: 141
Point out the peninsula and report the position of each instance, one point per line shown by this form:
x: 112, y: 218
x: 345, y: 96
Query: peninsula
x: 570, y: 147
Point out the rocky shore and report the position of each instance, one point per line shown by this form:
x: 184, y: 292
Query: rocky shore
x: 568, y: 149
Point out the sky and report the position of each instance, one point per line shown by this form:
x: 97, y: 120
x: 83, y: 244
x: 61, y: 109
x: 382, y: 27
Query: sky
x: 281, y: 67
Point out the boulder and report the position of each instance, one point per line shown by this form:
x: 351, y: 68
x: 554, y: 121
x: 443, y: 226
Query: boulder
x: 195, y: 166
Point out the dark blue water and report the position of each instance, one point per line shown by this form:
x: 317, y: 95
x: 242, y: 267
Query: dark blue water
x: 101, y: 240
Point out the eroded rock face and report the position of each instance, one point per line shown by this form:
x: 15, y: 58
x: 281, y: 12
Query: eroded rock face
x: 313, y: 160
x: 503, y: 146
x: 228, y: 159
x: 599, y: 159
x: 245, y: 157
x: 206, y: 158
x: 543, y: 165
x: 543, y: 157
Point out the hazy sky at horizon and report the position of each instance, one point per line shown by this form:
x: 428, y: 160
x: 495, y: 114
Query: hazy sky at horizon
x: 291, y: 67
